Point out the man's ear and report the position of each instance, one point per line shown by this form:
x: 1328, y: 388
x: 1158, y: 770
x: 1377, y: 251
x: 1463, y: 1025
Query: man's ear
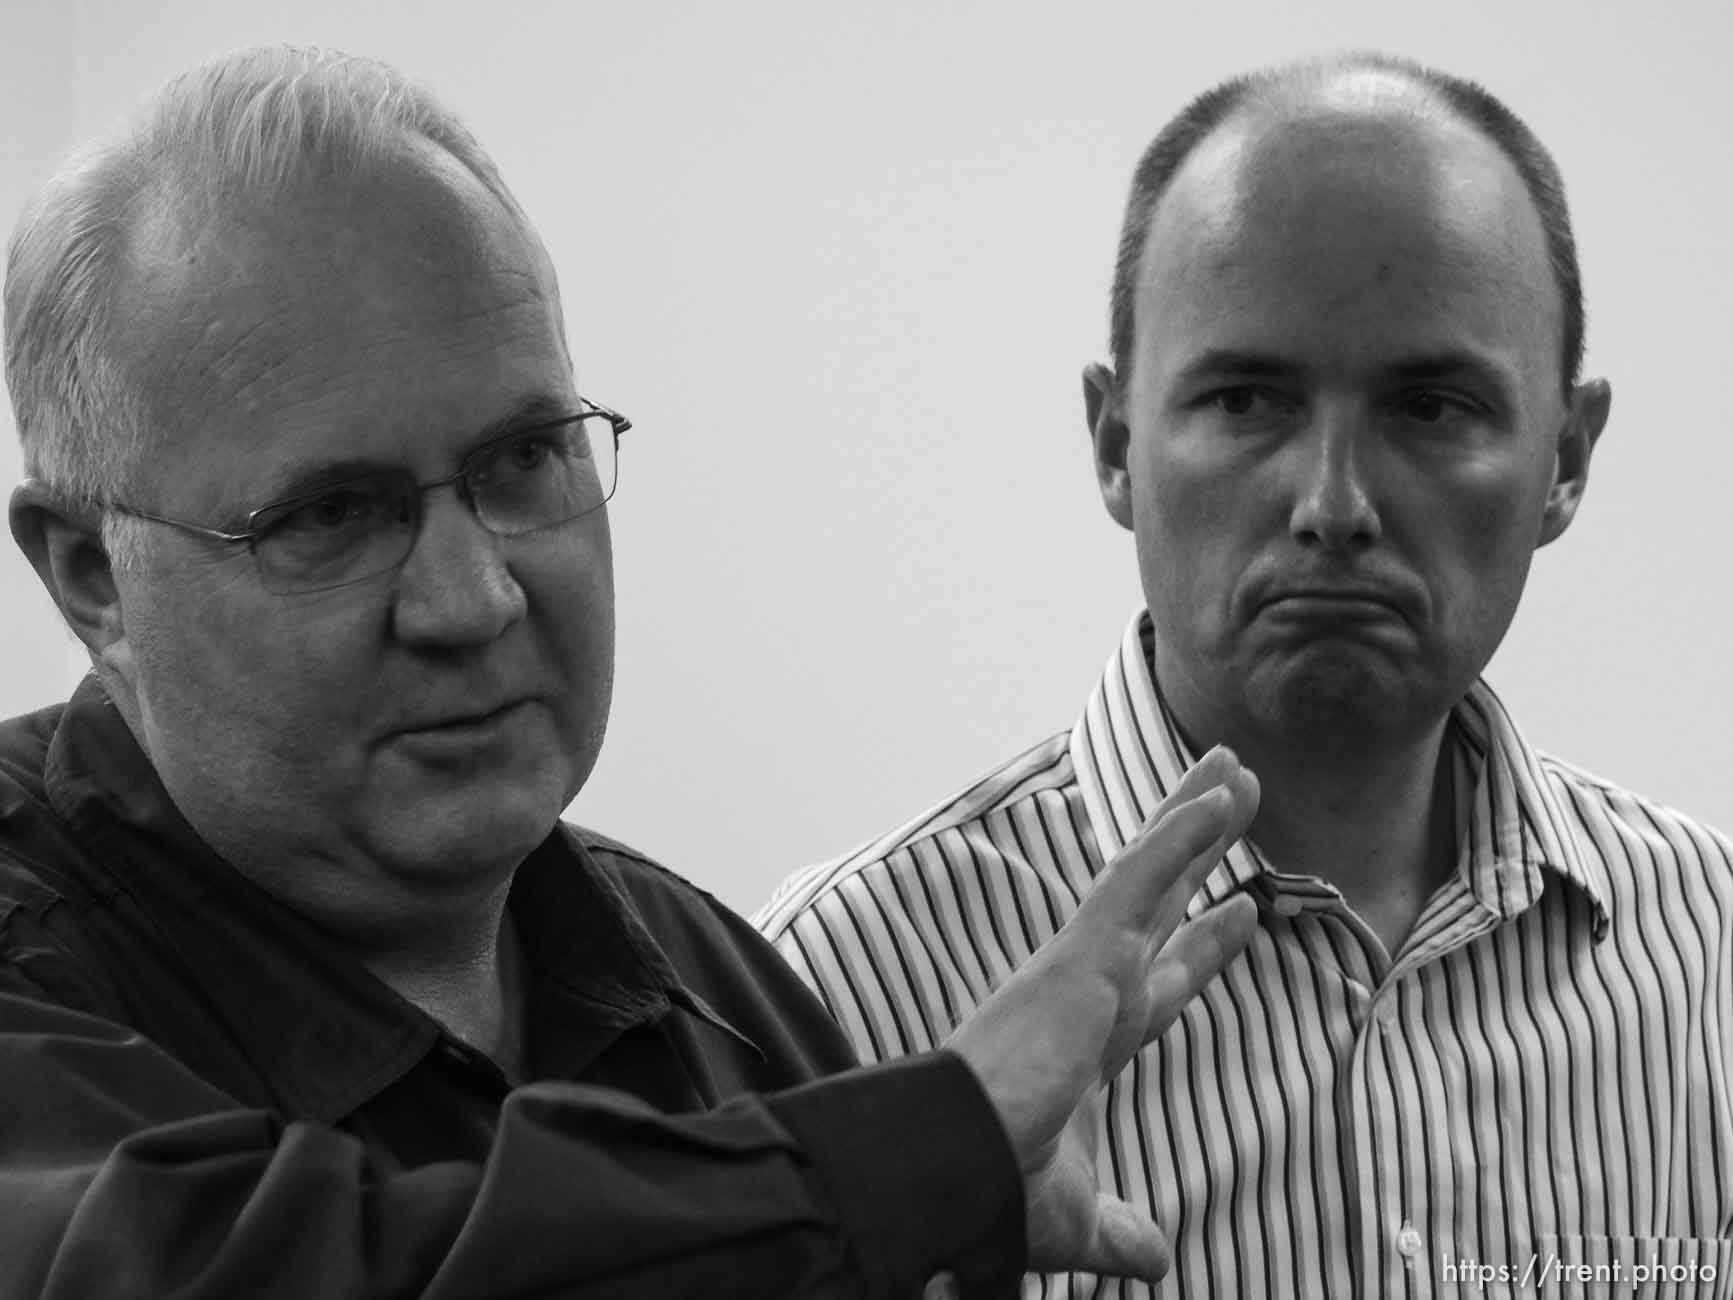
x: 1589, y: 405
x: 64, y: 545
x: 1105, y: 411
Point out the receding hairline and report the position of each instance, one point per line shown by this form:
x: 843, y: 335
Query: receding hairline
x: 168, y: 219
x: 1412, y: 136
x: 177, y: 254
x: 1342, y: 87
x: 1366, y: 85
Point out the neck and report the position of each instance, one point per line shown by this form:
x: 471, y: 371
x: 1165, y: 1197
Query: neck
x: 470, y: 980
x: 1380, y: 826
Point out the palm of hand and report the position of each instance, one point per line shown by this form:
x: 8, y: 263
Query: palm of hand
x: 1068, y: 1217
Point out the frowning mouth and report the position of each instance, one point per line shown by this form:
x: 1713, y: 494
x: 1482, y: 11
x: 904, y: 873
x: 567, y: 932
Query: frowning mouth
x: 1344, y: 603
x: 1322, y: 608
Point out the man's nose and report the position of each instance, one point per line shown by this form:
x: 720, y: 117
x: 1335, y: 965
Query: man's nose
x: 1335, y: 505
x: 455, y: 589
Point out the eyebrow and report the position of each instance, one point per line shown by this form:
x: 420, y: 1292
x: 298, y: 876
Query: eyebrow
x: 531, y: 411
x: 1218, y: 363
x: 303, y: 479
x: 1445, y: 365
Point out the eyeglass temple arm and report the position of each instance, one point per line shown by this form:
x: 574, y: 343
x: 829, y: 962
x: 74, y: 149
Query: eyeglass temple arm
x: 620, y: 422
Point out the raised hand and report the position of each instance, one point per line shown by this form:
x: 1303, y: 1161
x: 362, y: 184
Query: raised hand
x: 1072, y: 1016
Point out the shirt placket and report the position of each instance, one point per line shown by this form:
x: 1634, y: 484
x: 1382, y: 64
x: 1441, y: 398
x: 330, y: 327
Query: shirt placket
x: 1401, y: 1234
x: 1388, y: 1243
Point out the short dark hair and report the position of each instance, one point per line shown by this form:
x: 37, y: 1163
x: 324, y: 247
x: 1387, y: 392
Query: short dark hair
x: 1470, y: 102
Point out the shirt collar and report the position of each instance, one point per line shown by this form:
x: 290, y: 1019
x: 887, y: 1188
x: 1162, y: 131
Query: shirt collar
x: 589, y: 941
x: 1128, y: 753
x: 1515, y: 827
x: 321, y: 1030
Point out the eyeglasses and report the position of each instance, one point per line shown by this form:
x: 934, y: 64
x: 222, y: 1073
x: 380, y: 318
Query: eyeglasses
x: 534, y: 478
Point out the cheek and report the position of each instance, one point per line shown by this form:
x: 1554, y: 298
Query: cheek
x: 1481, y: 532
x: 1197, y: 522
x: 570, y: 587
x: 236, y: 677
x: 571, y: 602
x: 1495, y: 509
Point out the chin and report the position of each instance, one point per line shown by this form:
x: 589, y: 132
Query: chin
x: 484, y: 827
x: 1337, y: 695
x: 450, y: 846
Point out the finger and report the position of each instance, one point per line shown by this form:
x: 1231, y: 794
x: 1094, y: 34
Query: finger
x: 1194, y: 956
x: 1221, y: 766
x: 1243, y: 789
x: 1213, y: 769
x: 1127, y: 1243
x: 1147, y: 886
x: 1247, y: 793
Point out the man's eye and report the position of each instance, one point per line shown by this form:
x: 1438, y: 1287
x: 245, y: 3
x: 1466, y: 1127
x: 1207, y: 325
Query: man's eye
x: 332, y: 511
x: 1431, y: 407
x: 528, y: 453
x: 519, y: 457
x: 1244, y: 402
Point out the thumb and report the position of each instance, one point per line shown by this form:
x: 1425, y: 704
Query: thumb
x: 1127, y: 1243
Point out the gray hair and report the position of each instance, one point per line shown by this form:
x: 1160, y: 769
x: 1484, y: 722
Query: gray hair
x: 248, y: 126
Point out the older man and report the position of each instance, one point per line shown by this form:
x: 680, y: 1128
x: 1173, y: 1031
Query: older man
x: 304, y: 988
x: 1484, y: 1034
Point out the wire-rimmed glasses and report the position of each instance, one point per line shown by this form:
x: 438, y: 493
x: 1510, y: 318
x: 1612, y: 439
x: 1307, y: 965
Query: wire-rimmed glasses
x: 544, y: 474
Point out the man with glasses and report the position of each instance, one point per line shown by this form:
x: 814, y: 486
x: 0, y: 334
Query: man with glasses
x: 1482, y: 1040
x: 305, y: 989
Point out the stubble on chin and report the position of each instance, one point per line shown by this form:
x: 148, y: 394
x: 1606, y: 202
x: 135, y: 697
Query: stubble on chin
x: 1332, y: 700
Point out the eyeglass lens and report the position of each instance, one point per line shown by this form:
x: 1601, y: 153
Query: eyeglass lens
x: 366, y: 526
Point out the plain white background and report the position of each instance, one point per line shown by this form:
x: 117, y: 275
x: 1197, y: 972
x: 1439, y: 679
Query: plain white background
x: 842, y: 263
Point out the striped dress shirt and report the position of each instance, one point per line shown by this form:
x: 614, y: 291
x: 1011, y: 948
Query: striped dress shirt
x: 1532, y: 1096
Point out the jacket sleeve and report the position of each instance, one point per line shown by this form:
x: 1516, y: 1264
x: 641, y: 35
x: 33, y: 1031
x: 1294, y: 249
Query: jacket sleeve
x: 122, y: 1173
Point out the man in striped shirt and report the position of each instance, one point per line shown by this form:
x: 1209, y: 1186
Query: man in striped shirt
x: 1480, y: 1040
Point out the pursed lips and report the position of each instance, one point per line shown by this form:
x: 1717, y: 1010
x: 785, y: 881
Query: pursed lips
x: 458, y: 719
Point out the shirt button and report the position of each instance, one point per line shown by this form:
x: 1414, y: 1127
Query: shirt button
x: 1288, y: 906
x: 1408, y: 1240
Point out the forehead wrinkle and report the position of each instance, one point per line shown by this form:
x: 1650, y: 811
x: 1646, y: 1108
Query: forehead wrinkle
x: 285, y: 393
x: 233, y: 336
